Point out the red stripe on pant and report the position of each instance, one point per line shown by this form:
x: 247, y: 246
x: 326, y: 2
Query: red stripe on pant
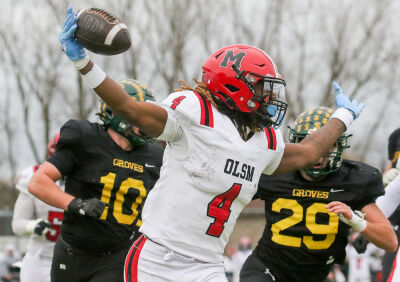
x: 132, y: 260
x: 390, y: 279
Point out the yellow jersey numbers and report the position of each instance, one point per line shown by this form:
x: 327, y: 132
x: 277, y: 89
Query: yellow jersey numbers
x: 123, y: 189
x: 308, y: 217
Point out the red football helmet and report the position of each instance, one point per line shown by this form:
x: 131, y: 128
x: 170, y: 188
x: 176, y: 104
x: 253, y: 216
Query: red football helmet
x: 246, y: 79
x: 51, y: 147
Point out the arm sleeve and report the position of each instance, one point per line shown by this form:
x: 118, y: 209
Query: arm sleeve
x: 23, y: 213
x: 172, y: 130
x: 391, y: 200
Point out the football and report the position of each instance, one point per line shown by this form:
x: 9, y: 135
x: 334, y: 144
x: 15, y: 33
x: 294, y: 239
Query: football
x: 101, y: 32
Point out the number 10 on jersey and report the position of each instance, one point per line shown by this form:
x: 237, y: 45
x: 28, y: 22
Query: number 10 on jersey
x: 123, y: 189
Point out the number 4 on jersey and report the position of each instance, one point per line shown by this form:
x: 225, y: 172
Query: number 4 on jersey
x: 177, y: 101
x: 219, y: 209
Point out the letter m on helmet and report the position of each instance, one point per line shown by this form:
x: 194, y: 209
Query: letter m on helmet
x: 230, y: 57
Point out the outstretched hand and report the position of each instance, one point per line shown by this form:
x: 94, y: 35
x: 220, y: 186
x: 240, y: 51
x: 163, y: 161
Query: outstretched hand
x: 71, y: 47
x: 343, y: 101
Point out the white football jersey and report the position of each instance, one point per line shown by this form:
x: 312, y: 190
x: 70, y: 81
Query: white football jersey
x: 34, y: 208
x: 209, y: 175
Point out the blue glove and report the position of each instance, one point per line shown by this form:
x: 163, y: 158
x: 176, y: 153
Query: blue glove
x: 343, y: 101
x: 71, y: 47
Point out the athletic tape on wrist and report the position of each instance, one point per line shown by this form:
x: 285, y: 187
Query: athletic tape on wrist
x: 80, y: 64
x: 94, y: 77
x: 357, y: 221
x: 345, y: 115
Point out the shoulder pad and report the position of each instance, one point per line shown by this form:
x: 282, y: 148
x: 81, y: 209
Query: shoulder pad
x: 368, y: 176
x: 23, y: 179
x: 189, y: 106
x: 72, y: 131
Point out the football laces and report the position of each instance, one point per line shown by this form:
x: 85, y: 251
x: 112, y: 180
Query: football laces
x: 110, y: 18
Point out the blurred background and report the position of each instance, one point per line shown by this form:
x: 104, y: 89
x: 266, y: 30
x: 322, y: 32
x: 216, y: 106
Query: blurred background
x: 354, y: 42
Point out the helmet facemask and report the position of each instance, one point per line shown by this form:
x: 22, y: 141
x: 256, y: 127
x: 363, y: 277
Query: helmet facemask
x: 125, y: 129
x: 268, y: 101
x: 310, y: 121
x: 136, y: 91
x: 330, y: 162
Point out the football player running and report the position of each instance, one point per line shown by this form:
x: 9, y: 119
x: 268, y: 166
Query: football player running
x: 220, y: 138
x: 38, y: 220
x: 109, y: 169
x: 392, y: 170
x: 309, y: 212
x: 389, y: 175
x: 390, y: 204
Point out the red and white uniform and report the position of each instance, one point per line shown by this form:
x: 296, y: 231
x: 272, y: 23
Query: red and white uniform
x: 388, y: 203
x: 360, y: 265
x: 209, y: 175
x: 37, y: 261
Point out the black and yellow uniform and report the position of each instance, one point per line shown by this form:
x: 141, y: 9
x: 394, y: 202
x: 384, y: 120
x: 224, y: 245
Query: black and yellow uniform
x: 95, y: 166
x: 302, y: 239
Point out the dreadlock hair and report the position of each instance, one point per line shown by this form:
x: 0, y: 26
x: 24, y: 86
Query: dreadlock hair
x: 241, y: 120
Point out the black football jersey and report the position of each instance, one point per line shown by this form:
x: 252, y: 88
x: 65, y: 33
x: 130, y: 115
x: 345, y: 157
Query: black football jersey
x: 302, y: 239
x: 94, y: 166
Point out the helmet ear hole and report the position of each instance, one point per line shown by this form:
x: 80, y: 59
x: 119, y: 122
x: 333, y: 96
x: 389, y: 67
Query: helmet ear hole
x: 232, y: 88
x: 205, y: 78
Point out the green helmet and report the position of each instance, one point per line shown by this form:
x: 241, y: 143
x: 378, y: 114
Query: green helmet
x: 136, y: 91
x: 310, y: 121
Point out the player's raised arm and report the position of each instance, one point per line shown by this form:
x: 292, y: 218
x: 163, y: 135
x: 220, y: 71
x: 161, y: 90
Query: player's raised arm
x: 150, y: 118
x: 307, y: 152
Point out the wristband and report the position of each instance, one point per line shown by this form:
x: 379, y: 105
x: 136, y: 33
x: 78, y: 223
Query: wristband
x: 80, y: 64
x: 357, y: 221
x: 345, y: 115
x: 94, y: 77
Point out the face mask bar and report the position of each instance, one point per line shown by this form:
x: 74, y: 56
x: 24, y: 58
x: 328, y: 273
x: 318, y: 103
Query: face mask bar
x: 332, y: 159
x: 268, y: 104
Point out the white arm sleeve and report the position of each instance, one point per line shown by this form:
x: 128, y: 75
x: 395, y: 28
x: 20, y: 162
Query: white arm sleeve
x: 172, y: 129
x: 391, y: 200
x: 23, y: 213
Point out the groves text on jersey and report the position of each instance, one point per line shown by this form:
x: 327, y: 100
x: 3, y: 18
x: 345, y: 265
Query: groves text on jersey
x: 244, y: 172
x: 126, y: 164
x: 310, y: 193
